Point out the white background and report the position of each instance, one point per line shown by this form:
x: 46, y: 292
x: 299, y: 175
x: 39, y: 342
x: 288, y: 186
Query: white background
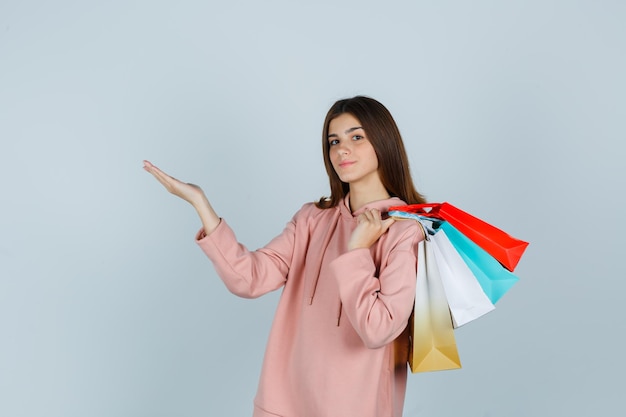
x: 512, y: 110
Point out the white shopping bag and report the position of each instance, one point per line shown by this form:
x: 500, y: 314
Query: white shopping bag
x: 466, y: 298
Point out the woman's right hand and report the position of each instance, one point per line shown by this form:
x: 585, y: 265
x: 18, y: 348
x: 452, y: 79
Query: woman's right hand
x: 191, y: 193
x: 188, y: 192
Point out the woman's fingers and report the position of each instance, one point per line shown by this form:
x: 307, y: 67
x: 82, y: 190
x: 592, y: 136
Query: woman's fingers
x: 370, y: 227
x: 387, y: 222
x: 374, y: 217
x: 188, y: 192
x: 168, y: 181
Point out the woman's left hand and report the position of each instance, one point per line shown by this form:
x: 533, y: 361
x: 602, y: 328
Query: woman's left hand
x: 370, y: 227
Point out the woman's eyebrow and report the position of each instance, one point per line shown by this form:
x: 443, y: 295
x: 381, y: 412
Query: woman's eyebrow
x: 352, y: 129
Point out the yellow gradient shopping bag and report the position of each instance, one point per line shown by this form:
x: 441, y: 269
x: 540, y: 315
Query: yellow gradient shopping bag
x: 433, y: 346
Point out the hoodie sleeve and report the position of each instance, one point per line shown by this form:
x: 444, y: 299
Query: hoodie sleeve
x: 379, y: 307
x: 246, y: 273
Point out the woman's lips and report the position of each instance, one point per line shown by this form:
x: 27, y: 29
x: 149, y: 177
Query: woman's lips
x: 346, y: 163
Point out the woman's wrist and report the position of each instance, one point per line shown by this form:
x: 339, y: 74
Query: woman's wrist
x: 208, y: 216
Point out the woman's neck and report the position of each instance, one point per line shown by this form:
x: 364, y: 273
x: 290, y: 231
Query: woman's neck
x: 360, y: 196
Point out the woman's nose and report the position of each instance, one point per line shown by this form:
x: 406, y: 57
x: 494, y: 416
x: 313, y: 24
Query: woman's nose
x: 343, y: 149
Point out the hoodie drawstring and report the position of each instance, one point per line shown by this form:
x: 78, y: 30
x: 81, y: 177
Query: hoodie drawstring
x: 339, y: 312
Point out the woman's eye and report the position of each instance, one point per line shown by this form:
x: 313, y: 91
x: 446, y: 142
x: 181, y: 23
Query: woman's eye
x: 333, y: 142
x: 357, y: 137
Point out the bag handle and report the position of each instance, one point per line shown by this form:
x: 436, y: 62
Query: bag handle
x: 419, y: 209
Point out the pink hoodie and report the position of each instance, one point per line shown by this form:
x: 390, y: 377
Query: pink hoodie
x: 330, y: 350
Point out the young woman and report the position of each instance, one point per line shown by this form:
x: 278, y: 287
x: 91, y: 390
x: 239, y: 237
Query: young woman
x: 338, y: 345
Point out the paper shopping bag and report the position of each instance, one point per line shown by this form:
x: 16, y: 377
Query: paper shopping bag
x: 433, y: 346
x: 494, y: 279
x: 465, y: 295
x: 505, y: 248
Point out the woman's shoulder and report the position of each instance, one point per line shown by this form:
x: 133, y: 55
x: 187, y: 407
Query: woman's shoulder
x: 310, y: 211
x: 406, y: 229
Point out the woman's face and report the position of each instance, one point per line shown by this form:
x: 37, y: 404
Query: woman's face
x: 351, y: 153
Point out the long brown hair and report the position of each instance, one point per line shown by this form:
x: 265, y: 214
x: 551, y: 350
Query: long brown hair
x: 383, y: 134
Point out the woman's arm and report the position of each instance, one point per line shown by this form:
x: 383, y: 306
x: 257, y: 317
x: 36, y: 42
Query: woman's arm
x: 246, y: 273
x: 379, y: 300
x: 191, y: 193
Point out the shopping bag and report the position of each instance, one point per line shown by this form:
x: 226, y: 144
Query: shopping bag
x: 505, y: 248
x: 466, y: 298
x: 433, y: 346
x: 494, y: 279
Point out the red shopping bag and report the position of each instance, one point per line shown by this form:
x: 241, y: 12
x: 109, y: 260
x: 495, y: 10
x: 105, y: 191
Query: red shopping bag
x: 505, y: 248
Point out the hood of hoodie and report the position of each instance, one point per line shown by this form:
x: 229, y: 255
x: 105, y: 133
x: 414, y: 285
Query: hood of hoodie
x: 381, y: 205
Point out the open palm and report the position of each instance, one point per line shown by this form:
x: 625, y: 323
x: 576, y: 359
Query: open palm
x: 188, y: 192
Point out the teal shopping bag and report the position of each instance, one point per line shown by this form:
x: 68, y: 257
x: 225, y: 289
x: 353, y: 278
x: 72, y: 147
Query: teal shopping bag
x: 494, y: 278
